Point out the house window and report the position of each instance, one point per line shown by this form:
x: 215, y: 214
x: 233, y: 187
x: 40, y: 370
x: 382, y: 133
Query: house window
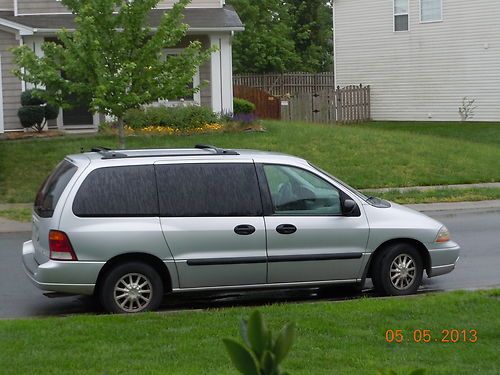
x: 401, y: 15
x: 431, y: 10
x: 192, y: 98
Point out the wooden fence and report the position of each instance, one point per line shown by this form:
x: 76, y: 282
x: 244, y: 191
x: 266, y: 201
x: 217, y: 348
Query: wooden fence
x: 345, y: 105
x: 267, y: 106
x: 287, y: 84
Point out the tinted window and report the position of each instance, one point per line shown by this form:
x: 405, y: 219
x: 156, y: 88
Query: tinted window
x: 51, y: 190
x: 118, y: 191
x: 189, y: 190
x: 295, y: 191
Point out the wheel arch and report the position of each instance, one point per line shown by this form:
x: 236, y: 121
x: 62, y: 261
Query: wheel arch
x: 149, y: 259
x: 380, y: 249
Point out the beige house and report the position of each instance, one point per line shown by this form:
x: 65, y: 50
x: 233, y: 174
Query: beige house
x: 421, y: 57
x: 31, y: 22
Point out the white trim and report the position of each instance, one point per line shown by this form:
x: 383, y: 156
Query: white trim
x: 15, y: 7
x: 334, y: 47
x: 394, y: 15
x: 215, y: 74
x: 23, y: 30
x: 434, y: 21
x: 2, y: 125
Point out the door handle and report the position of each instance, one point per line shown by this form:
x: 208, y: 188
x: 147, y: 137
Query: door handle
x: 286, y: 229
x: 244, y: 229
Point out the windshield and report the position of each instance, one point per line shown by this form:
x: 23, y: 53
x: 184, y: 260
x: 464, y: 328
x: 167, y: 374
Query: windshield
x: 350, y: 188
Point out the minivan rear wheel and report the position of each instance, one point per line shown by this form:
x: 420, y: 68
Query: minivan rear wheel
x: 397, y: 270
x: 131, y: 287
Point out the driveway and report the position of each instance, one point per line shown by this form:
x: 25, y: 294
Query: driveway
x: 477, y: 232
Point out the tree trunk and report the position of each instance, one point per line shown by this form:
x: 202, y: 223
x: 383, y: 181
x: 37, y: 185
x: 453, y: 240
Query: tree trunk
x: 121, y: 134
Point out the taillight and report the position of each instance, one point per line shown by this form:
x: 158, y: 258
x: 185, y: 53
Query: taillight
x: 60, y: 247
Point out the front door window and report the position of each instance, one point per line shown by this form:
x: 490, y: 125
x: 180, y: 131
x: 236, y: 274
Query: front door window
x: 295, y: 191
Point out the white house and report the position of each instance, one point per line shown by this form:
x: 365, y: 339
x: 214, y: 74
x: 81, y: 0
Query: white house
x: 421, y: 57
x: 31, y: 22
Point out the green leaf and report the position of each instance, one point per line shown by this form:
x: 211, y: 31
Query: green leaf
x: 257, y: 333
x: 244, y: 331
x: 419, y: 371
x: 268, y: 363
x: 284, y: 342
x: 242, y: 358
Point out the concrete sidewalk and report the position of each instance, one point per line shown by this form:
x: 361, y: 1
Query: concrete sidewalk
x: 491, y: 185
x: 10, y: 226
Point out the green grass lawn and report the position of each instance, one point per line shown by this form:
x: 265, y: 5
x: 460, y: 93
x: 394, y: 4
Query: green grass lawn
x: 332, y: 338
x: 366, y: 156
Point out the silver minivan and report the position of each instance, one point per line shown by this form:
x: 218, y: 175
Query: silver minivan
x: 131, y: 226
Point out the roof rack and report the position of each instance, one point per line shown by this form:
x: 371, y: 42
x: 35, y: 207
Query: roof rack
x: 107, y: 153
x: 218, y: 151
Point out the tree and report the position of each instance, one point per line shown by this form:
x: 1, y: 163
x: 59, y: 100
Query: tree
x: 313, y: 33
x: 283, y: 35
x: 266, y: 45
x: 114, y: 60
x: 35, y: 112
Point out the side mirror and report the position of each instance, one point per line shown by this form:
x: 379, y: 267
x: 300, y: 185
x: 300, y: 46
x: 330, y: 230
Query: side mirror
x: 349, y: 207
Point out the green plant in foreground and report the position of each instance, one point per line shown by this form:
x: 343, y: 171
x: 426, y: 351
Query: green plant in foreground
x: 260, y: 355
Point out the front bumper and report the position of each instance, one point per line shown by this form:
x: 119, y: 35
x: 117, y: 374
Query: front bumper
x: 58, y: 276
x: 443, y: 258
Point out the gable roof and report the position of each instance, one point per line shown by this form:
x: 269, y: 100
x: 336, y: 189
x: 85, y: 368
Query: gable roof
x: 207, y: 19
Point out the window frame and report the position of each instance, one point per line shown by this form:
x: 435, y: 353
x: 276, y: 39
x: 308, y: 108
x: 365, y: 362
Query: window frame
x: 433, y: 21
x: 394, y: 15
x: 267, y: 199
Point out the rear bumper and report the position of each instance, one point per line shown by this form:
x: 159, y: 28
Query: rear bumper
x: 56, y: 276
x: 443, y: 258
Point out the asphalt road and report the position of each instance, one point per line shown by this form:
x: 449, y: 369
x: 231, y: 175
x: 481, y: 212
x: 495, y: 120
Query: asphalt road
x: 477, y: 232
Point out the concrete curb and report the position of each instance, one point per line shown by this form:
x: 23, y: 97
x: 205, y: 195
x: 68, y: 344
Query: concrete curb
x: 11, y: 226
x: 493, y: 205
x: 491, y: 185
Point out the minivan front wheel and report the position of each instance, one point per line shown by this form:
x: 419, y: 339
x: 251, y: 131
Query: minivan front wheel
x: 131, y: 287
x: 398, y: 270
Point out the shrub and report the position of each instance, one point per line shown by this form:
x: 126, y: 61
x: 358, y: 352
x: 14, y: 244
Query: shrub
x: 181, y: 118
x: 35, y: 112
x: 242, y: 106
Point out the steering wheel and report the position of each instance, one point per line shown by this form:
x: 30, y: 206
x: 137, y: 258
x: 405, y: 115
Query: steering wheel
x: 285, y: 194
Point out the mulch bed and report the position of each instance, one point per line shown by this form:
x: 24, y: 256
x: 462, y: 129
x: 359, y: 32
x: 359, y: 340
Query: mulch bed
x: 31, y: 134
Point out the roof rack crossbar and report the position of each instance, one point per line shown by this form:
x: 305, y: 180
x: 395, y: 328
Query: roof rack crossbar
x: 107, y: 153
x: 218, y: 150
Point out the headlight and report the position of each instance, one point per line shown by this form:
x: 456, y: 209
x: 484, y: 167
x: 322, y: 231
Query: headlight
x: 443, y: 235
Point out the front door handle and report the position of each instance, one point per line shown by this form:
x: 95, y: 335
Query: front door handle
x: 286, y: 229
x: 244, y: 229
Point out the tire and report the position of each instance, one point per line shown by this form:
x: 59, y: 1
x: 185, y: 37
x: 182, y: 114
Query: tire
x: 397, y: 270
x: 131, y: 287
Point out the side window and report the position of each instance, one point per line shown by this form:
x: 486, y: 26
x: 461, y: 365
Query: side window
x: 401, y: 15
x: 208, y: 190
x: 295, y: 191
x: 118, y: 192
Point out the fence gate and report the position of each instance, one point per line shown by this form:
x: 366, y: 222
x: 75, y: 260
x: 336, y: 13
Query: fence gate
x: 346, y: 105
x: 267, y: 105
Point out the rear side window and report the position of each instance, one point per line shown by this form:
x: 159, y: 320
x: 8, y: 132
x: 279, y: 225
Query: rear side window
x: 118, y: 192
x: 190, y: 190
x: 51, y: 190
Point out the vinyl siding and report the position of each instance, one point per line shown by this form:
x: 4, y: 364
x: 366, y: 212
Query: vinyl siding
x: 422, y: 74
x: 11, y: 85
x: 54, y: 6
x: 6, y: 4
